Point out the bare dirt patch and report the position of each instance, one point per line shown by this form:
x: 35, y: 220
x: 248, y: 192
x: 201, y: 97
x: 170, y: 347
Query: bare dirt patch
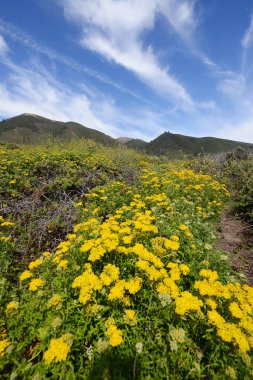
x: 236, y: 238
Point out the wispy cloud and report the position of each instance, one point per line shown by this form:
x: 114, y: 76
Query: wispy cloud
x: 115, y: 30
x: 23, y: 38
x: 247, y: 39
x: 3, y: 46
x: 34, y: 89
x: 247, y: 50
x: 181, y: 16
x: 28, y: 90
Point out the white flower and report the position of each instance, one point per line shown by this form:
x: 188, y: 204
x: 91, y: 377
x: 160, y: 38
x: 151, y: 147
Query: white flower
x: 139, y: 347
x: 89, y: 352
x: 173, y: 345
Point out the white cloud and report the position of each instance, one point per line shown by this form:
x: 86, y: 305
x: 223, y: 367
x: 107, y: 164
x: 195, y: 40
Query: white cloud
x: 115, y: 30
x: 232, y: 84
x: 34, y: 92
x: 181, y: 16
x: 238, y: 131
x: 247, y: 39
x: 18, y: 35
x: 3, y: 46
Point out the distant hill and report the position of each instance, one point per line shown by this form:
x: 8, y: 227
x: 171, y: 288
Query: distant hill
x: 27, y: 128
x: 136, y: 144
x: 124, y: 140
x: 174, y: 145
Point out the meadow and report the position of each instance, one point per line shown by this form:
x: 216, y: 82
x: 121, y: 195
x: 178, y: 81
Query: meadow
x: 109, y: 267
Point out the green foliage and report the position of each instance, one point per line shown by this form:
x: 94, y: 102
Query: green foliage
x: 174, y: 145
x: 109, y: 269
x: 33, y: 129
x: 235, y: 169
x: 240, y: 177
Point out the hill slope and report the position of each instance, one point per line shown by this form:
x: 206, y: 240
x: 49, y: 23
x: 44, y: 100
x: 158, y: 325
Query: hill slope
x: 26, y: 128
x: 172, y: 144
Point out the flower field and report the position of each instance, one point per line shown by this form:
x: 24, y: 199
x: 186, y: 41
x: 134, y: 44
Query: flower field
x: 127, y: 282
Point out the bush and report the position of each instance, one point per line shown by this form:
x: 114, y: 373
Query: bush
x: 135, y: 290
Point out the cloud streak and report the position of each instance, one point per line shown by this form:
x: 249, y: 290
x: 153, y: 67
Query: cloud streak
x: 18, y: 35
x: 115, y: 29
x: 3, y: 46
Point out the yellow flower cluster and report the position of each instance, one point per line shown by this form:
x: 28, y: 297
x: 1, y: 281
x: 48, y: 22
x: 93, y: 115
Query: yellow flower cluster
x: 130, y: 317
x: 35, y: 264
x: 3, y: 345
x: 36, y: 283
x: 25, y: 275
x: 12, y: 305
x: 7, y: 224
x: 187, y: 302
x: 240, y: 308
x: 58, y: 349
x: 54, y: 301
x: 113, y: 333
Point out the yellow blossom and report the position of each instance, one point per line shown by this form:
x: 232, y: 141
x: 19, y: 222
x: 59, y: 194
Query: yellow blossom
x: 115, y: 335
x: 133, y: 285
x: 35, y: 264
x: 26, y: 274
x: 7, y: 224
x: 46, y: 254
x: 35, y: 284
x: 54, y: 301
x: 12, y: 305
x: 3, y: 345
x: 62, y: 264
x: 187, y: 302
x: 58, y: 349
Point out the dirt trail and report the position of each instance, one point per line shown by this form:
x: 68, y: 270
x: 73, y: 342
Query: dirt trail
x: 237, y: 240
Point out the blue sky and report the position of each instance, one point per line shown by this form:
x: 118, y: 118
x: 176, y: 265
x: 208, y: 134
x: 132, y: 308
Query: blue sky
x: 131, y: 67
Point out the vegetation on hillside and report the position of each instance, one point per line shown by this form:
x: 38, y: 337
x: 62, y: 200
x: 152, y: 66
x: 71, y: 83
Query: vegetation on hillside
x: 29, y: 129
x: 175, y: 145
x: 236, y: 170
x: 109, y: 268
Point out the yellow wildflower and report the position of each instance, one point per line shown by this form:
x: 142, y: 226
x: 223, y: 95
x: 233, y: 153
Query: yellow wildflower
x: 96, y: 253
x: 187, y: 302
x: 35, y: 264
x: 133, y: 285
x: 115, y: 335
x: 35, y: 284
x: 26, y: 274
x: 130, y: 317
x: 5, y: 238
x: 183, y: 227
x: 212, y: 303
x: 62, y: 264
x: 46, y: 254
x: 117, y: 292
x: 12, y: 305
x: 209, y: 274
x: 54, y: 301
x: 3, y: 345
x: 58, y: 349
x: 7, y: 224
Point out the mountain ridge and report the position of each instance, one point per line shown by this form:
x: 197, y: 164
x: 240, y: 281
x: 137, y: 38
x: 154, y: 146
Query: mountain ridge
x: 26, y: 128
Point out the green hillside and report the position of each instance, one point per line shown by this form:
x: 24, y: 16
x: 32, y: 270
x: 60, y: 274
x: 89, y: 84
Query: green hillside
x: 173, y: 144
x: 136, y: 144
x: 28, y: 128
